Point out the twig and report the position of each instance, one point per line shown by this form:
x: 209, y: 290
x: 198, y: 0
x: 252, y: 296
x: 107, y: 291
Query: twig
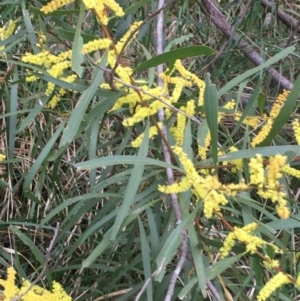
x: 169, y: 171
x: 218, y: 19
x: 47, y: 259
x: 285, y: 18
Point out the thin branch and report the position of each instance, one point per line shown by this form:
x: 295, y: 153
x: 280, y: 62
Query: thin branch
x: 213, y: 13
x: 285, y: 18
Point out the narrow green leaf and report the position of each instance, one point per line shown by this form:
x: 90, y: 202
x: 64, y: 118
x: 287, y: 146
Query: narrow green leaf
x: 72, y: 201
x: 26, y: 240
x: 264, y: 151
x: 126, y: 159
x: 219, y: 267
x: 174, y: 55
x: 238, y: 79
x: 187, y: 287
x: 211, y: 113
x: 132, y: 187
x: 135, y: 6
x: 41, y: 158
x: 197, y: 256
x: 105, y: 242
x: 261, y: 100
x: 83, y: 102
x: 171, y: 245
x: 285, y: 112
x: 178, y: 41
x: 146, y: 260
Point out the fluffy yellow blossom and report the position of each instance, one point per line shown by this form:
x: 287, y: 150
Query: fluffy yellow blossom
x: 296, y: 129
x: 143, y: 112
x: 190, y: 108
x: 277, y: 281
x: 192, y: 77
x: 274, y: 170
x: 257, y: 170
x: 175, y: 80
x: 2, y: 157
x: 10, y: 290
x: 253, y: 121
x: 202, y: 149
x: 128, y: 35
x: 261, y: 136
x: 7, y: 31
x: 178, y: 132
x: 238, y: 163
x: 95, y: 45
x: 279, y: 102
x: 263, y: 133
x: 54, y: 5
x: 35, y: 293
x: 232, y: 189
x: 245, y: 236
x: 291, y: 171
x: 182, y: 186
x: 212, y: 202
x: 152, y: 132
x: 271, y: 264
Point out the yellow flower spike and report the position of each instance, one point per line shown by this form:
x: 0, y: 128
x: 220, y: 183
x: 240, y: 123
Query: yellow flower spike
x: 274, y: 175
x: 180, y: 129
x: 271, y: 264
x: 298, y: 280
x: 291, y: 171
x: 54, y: 5
x: 10, y: 289
x: 263, y: 133
x: 212, y: 203
x: 257, y: 176
x: 192, y: 77
x: 96, y: 45
x: 190, y: 108
x: 243, y: 235
x: 238, y: 163
x: 187, y: 165
x: 227, y: 245
x: 279, y: 102
x: 36, y: 293
x: 182, y: 186
x: 152, y: 132
x: 126, y: 36
x: 274, y: 283
x: 296, y: 129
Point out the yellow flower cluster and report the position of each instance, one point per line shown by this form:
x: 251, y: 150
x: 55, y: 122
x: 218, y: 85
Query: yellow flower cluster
x: 291, y: 171
x: 296, y: 129
x: 279, y: 102
x: 178, y: 131
x: 7, y: 31
x: 244, y: 235
x: 99, y: 7
x: 208, y: 189
x: 238, y: 163
x: 2, y: 157
x: 274, y: 283
x: 267, y: 181
x: 55, y: 66
x: 36, y: 293
x: 152, y: 132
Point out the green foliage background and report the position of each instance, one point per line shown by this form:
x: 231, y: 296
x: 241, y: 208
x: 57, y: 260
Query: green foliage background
x: 74, y: 168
